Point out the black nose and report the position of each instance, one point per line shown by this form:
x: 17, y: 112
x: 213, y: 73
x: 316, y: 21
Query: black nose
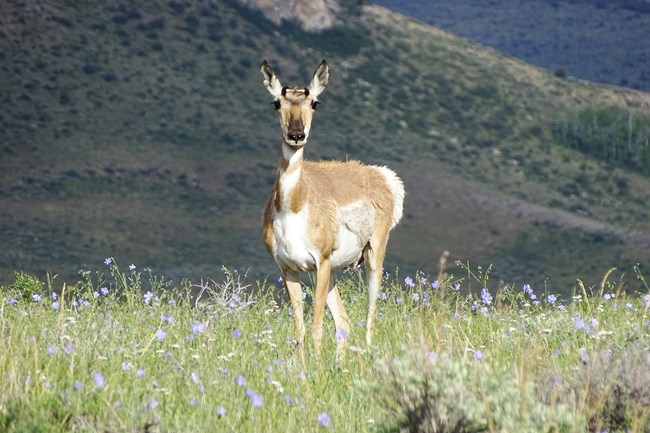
x: 296, y: 136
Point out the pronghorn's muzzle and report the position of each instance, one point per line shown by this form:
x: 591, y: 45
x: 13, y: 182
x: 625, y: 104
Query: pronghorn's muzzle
x: 296, y: 132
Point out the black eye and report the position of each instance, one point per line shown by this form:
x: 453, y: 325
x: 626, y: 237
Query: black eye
x: 276, y: 104
x: 314, y: 104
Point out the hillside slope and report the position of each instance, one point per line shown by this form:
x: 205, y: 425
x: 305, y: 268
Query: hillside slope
x: 142, y: 131
x: 598, y: 40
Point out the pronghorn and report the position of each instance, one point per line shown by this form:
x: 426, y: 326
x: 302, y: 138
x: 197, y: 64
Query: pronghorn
x: 324, y: 216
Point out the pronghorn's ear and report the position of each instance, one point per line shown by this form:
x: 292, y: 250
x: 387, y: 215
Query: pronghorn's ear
x: 320, y: 79
x: 271, y: 80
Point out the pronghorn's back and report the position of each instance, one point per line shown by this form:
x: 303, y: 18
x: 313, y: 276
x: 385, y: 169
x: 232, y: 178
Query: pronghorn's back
x: 325, y: 215
x: 346, y: 181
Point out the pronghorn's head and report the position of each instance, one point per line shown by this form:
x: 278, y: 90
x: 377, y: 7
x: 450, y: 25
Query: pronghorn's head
x: 296, y: 105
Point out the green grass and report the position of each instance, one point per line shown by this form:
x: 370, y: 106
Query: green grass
x: 125, y: 351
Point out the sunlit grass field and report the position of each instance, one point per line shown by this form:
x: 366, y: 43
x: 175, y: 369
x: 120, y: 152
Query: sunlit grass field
x: 127, y: 351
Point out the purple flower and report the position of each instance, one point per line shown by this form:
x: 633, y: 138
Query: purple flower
x: 56, y: 305
x: 527, y: 290
x: 140, y: 373
x: 108, y: 261
x: 409, y: 282
x: 582, y: 354
x: 36, y: 297
x: 324, y: 419
x: 131, y: 267
x: 104, y: 291
x: 221, y: 411
x: 161, y: 334
x: 415, y: 296
x: 197, y: 328
x: 168, y: 319
x: 95, y: 295
x: 126, y: 366
x: 435, y: 284
x: 255, y: 398
x: 478, y: 355
x: 195, y: 377
x: 52, y: 349
x: 486, y: 297
x: 240, y: 380
x: 151, y: 404
x: 147, y: 298
x: 457, y: 287
x: 68, y: 349
x: 99, y: 380
x: 551, y: 299
x: 382, y: 296
x: 341, y: 335
x: 236, y: 333
x: 608, y: 296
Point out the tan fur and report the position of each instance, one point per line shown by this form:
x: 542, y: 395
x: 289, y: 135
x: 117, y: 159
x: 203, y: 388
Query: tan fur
x: 322, y: 216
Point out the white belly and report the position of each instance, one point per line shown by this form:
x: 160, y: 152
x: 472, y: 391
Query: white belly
x: 295, y: 250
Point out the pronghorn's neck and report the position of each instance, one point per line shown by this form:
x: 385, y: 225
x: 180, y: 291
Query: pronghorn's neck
x: 288, y: 179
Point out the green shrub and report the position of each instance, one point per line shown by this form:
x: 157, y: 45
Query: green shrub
x: 421, y: 393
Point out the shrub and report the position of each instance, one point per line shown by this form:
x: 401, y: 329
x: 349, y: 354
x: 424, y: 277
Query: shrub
x: 421, y: 393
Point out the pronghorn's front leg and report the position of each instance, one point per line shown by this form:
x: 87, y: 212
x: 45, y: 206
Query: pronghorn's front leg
x: 320, y: 298
x: 341, y: 320
x: 292, y: 284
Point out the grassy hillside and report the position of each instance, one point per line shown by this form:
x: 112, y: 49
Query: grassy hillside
x: 598, y: 40
x: 142, y: 131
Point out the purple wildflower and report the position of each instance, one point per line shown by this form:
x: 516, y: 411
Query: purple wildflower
x: 582, y: 354
x: 147, y: 298
x: 236, y: 333
x: 56, y: 306
x: 197, y: 328
x: 478, y: 355
x: 324, y: 420
x: 551, y: 299
x: 140, y: 373
x: 126, y: 366
x: 240, y: 380
x: 527, y: 290
x: 341, y: 335
x: 435, y: 284
x: 486, y: 297
x: 161, y: 334
x: 108, y: 261
x: 99, y: 380
x: 36, y: 297
x: 52, y: 349
x: 131, y: 267
x: 409, y: 282
x: 221, y: 411
x: 104, y: 291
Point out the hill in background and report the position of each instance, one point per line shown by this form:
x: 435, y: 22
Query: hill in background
x: 141, y: 131
x: 597, y: 40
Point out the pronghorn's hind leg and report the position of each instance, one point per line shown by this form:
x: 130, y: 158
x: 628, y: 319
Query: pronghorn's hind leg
x: 292, y: 284
x: 341, y: 320
x: 373, y: 256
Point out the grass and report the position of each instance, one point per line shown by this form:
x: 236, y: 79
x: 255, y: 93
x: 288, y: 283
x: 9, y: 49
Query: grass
x: 127, y: 351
